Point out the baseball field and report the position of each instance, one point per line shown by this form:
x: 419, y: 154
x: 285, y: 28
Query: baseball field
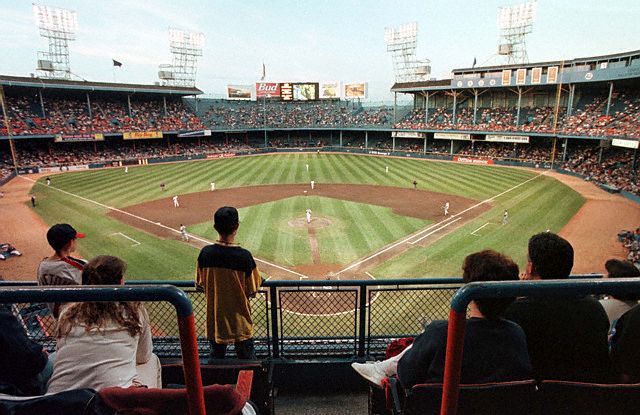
x: 365, y: 222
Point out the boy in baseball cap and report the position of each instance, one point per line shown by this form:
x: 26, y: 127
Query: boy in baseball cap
x: 61, y: 268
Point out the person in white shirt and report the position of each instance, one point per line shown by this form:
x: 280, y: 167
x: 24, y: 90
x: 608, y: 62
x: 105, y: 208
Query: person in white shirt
x: 100, y: 345
x: 176, y: 204
x: 308, y: 215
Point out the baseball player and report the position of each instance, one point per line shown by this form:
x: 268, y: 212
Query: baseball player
x: 308, y: 215
x: 313, y: 184
x: 48, y: 181
x: 176, y: 204
x: 307, y: 166
x: 162, y: 186
x: 505, y: 217
x: 446, y: 208
x: 415, y: 185
x: 213, y: 186
x: 386, y: 169
x: 183, y: 233
x: 126, y: 169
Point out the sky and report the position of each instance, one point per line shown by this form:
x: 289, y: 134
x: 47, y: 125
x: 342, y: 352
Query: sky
x: 319, y: 40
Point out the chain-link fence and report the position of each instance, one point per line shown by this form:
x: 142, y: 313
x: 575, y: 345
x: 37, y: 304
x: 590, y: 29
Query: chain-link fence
x: 325, y: 319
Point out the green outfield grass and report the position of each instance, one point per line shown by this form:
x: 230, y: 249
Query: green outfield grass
x: 540, y: 204
x: 356, y: 229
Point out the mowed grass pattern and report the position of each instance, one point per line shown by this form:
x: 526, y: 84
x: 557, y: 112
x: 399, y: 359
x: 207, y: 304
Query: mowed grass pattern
x: 540, y: 205
x: 356, y: 229
x: 172, y: 259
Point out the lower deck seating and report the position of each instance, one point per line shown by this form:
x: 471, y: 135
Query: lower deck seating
x: 559, y: 397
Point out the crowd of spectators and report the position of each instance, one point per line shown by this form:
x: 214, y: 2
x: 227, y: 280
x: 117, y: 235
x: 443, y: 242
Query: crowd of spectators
x: 631, y: 242
x: 588, y: 118
x: 237, y: 115
x: 615, y: 168
x: 76, y: 116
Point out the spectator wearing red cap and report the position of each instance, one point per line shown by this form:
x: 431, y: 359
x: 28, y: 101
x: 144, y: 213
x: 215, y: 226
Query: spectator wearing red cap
x: 61, y: 268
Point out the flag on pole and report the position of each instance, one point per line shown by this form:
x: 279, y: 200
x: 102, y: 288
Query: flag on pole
x: 264, y: 72
x: 116, y: 63
x: 474, y: 62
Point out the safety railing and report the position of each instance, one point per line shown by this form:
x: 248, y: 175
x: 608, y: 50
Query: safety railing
x: 165, y: 293
x: 472, y: 291
x: 305, y: 319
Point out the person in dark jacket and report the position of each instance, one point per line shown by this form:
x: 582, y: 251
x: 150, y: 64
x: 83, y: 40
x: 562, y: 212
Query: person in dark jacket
x: 24, y: 366
x: 495, y: 349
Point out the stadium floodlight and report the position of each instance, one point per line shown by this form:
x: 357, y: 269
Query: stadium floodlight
x: 402, y: 43
x: 59, y: 27
x: 185, y: 48
x: 515, y: 23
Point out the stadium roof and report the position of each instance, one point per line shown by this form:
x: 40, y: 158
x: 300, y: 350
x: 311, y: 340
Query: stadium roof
x: 44, y: 83
x: 626, y: 58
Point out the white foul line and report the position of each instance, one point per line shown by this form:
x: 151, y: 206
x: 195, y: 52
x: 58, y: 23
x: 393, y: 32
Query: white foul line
x: 434, y: 231
x: 407, y: 239
x: 135, y: 243
x: 474, y: 232
x: 153, y: 223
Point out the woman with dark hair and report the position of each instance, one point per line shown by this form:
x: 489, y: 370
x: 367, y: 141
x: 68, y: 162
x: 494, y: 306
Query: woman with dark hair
x: 104, y: 344
x: 495, y: 349
x: 616, y: 306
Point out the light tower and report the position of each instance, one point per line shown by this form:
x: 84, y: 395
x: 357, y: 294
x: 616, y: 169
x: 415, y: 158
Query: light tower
x: 58, y: 26
x: 515, y: 23
x: 185, y: 49
x: 401, y: 43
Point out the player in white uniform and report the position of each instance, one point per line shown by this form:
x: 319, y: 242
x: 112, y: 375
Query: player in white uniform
x: 307, y: 166
x: 313, y: 184
x: 505, y: 217
x: 175, y: 202
x: 308, y: 215
x: 386, y: 169
x: 126, y: 169
x: 183, y: 233
x: 213, y: 186
x: 446, y: 208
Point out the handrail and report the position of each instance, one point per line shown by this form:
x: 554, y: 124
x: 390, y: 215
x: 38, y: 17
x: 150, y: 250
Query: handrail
x: 171, y: 294
x: 307, y: 283
x: 538, y: 288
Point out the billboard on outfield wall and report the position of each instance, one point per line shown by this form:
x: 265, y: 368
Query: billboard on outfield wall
x: 329, y: 90
x: 267, y: 90
x: 472, y: 160
x: 451, y: 136
x: 497, y: 138
x: 242, y: 92
x: 305, y: 91
x: 354, y: 90
x: 141, y: 135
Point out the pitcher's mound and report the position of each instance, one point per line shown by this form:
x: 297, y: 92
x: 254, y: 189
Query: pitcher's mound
x: 316, y: 223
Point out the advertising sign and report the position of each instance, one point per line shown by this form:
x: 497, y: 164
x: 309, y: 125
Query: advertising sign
x: 267, y: 90
x: 472, y: 160
x: 355, y: 90
x: 618, y: 142
x: 329, y: 90
x: 506, y: 77
x: 141, y: 135
x: 552, y: 74
x: 495, y: 138
x: 407, y: 134
x: 67, y: 138
x: 536, y: 75
x: 451, y: 136
x: 239, y: 92
x: 521, y: 76
x: 286, y: 91
x: 305, y: 91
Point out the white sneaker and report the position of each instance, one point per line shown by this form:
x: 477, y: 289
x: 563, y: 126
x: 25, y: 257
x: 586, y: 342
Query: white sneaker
x: 370, y: 371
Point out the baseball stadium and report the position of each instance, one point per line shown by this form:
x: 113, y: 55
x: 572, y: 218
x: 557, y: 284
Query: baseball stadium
x: 371, y: 224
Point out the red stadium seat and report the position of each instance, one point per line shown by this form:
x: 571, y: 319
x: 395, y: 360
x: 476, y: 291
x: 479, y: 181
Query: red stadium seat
x: 562, y: 397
